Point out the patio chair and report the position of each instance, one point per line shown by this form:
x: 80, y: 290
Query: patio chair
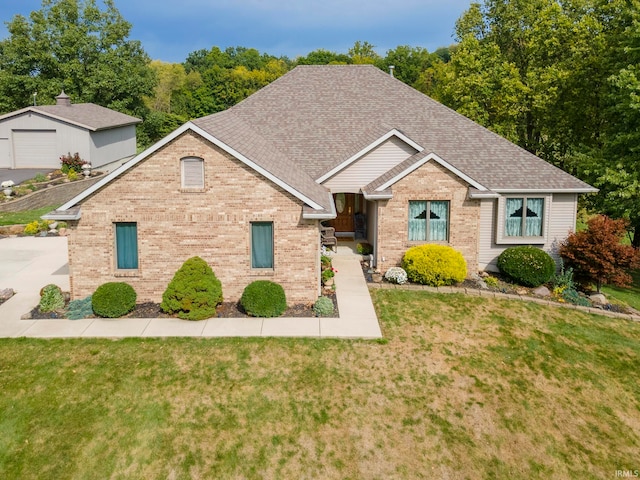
x: 328, y: 235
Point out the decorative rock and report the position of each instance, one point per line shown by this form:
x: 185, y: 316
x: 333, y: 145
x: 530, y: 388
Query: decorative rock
x: 598, y: 299
x: 521, y: 291
x: 6, y: 294
x: 376, y: 277
x: 62, y: 232
x: 478, y: 280
x: 542, y: 291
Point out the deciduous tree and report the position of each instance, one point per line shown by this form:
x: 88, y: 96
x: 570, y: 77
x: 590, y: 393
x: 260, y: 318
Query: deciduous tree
x: 597, y: 255
x: 75, y: 46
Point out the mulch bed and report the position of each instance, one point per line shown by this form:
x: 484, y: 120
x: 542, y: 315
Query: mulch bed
x: 224, y: 310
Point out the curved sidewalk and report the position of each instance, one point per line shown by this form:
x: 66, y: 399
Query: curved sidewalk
x: 27, y: 264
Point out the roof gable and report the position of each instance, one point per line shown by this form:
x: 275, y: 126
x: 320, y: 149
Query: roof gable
x: 84, y: 115
x: 317, y: 199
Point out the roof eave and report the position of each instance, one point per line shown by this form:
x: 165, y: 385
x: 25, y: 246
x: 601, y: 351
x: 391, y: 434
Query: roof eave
x: 546, y: 190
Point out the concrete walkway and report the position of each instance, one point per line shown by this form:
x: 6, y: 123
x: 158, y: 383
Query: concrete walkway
x: 27, y: 264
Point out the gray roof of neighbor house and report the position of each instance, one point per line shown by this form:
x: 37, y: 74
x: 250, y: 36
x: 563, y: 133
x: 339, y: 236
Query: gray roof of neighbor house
x: 85, y: 115
x: 317, y: 117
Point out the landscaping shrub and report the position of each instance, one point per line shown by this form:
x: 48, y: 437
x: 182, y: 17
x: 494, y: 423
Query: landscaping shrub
x: 325, y: 261
x: 526, y: 265
x: 70, y: 163
x: 434, y: 265
x: 80, y: 309
x: 51, y: 298
x: 323, y: 307
x: 327, y: 274
x: 364, y: 248
x: 194, y: 292
x: 35, y: 227
x: 113, y: 299
x: 396, y: 275
x: 263, y: 298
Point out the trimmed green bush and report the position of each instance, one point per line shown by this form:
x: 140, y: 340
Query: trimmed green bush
x: 51, y: 298
x: 80, y: 309
x: 194, y: 292
x: 434, y: 265
x: 364, y: 248
x: 263, y: 298
x: 113, y: 299
x: 323, y: 307
x: 527, y: 265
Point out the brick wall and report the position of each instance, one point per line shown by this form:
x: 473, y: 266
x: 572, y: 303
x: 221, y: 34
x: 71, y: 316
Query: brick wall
x: 56, y: 195
x: 174, y: 225
x: 429, y: 182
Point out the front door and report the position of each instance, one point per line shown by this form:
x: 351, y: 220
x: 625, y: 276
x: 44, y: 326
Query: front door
x: 345, y: 209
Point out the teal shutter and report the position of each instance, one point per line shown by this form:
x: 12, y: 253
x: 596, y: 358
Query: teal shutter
x: 262, y: 245
x: 127, y: 245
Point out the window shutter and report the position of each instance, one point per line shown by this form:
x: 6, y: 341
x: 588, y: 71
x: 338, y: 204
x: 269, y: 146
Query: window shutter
x: 192, y: 173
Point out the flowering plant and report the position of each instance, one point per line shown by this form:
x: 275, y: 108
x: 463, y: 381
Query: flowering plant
x: 7, y: 184
x: 396, y: 275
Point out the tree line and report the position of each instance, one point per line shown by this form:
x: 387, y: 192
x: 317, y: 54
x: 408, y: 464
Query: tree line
x: 560, y: 78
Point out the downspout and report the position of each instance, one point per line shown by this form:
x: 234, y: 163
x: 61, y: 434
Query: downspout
x: 374, y: 262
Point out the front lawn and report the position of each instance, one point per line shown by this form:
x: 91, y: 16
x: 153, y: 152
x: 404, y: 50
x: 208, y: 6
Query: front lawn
x: 629, y: 295
x: 461, y: 387
x: 27, y: 216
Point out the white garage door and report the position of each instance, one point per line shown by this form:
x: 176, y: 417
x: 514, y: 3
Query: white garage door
x: 35, y: 149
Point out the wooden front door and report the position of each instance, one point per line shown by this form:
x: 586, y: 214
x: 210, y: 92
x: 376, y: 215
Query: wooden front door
x: 345, y: 209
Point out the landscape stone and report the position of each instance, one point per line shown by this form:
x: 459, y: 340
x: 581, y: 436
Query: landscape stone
x: 598, y: 299
x: 542, y: 291
x: 6, y: 294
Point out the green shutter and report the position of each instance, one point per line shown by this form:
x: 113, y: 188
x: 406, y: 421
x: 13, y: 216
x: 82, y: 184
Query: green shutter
x: 262, y: 245
x: 127, y: 245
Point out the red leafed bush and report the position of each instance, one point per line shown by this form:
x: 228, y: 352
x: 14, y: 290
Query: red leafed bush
x: 597, y: 256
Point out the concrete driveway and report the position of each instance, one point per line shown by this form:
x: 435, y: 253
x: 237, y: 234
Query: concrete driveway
x: 19, y: 175
x: 26, y: 265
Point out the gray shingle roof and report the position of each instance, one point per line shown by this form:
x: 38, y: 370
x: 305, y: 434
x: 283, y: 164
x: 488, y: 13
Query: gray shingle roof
x: 316, y: 117
x: 86, y: 115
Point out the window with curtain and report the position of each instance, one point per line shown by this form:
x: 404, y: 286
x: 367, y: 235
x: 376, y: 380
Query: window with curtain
x: 126, y: 245
x: 523, y: 217
x: 262, y: 245
x: 192, y: 172
x: 428, y: 221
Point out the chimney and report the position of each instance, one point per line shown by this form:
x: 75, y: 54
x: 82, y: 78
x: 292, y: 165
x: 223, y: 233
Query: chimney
x: 391, y: 68
x: 63, y: 99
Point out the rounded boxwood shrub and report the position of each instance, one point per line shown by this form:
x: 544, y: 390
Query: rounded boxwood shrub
x: 113, y: 299
x: 263, y: 298
x: 434, y: 265
x: 526, y: 265
x: 323, y: 307
x: 194, y: 292
x: 51, y: 298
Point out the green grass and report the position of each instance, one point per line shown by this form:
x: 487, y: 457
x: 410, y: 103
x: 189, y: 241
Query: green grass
x: 462, y: 387
x: 27, y: 216
x: 629, y: 295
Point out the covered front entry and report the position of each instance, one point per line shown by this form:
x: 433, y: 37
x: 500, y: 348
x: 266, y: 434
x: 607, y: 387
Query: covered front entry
x: 351, y: 215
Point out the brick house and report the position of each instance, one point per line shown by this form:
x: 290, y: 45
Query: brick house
x: 248, y: 188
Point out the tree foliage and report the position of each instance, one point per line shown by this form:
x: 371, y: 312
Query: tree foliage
x: 597, y: 255
x: 75, y: 46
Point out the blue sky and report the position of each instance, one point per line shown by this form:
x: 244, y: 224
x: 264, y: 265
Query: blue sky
x: 170, y: 30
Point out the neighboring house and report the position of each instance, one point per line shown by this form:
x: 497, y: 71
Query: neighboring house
x: 37, y: 136
x: 246, y: 189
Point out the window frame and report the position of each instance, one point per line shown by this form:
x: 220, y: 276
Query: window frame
x: 427, y: 223
x: 252, y: 239
x: 117, y: 247
x: 183, y: 163
x: 501, y: 237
